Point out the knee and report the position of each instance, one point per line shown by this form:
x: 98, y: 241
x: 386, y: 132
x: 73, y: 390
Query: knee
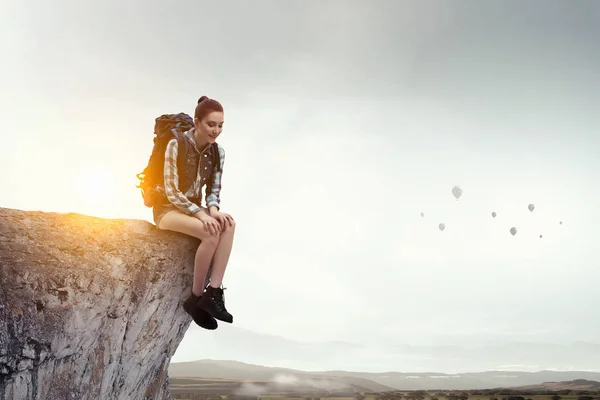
x: 229, y: 230
x: 211, y: 241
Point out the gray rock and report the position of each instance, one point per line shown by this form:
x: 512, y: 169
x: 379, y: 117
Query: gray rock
x: 90, y: 308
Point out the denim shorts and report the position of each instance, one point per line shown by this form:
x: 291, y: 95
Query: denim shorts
x: 159, y: 211
x: 164, y: 206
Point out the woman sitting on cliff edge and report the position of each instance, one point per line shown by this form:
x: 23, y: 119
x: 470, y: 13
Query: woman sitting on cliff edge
x: 184, y: 214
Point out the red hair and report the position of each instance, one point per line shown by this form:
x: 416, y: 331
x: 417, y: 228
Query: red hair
x: 206, y: 106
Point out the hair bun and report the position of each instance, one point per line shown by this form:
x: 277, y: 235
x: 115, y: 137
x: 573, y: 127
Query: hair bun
x: 202, y: 99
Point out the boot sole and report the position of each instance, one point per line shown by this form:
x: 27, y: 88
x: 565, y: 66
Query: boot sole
x: 201, y: 306
x: 205, y: 321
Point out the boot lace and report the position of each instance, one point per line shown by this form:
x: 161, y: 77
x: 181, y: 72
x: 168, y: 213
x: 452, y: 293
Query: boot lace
x: 219, y: 298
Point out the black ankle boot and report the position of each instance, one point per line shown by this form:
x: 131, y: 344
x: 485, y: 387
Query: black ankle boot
x: 201, y: 317
x: 213, y: 303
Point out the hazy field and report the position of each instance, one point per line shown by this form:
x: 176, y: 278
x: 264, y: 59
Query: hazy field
x: 231, y: 389
x: 180, y: 393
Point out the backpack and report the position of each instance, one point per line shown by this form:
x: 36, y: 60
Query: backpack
x: 167, y: 127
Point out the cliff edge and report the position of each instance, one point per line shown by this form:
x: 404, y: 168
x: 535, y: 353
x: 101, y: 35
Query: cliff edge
x: 90, y: 308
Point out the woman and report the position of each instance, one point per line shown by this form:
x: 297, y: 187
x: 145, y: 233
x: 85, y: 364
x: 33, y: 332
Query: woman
x: 184, y: 214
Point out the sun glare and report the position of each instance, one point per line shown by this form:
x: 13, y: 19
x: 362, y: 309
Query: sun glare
x: 96, y: 185
x: 95, y: 192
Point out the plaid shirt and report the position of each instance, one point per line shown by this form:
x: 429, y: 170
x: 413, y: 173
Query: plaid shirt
x: 171, y: 177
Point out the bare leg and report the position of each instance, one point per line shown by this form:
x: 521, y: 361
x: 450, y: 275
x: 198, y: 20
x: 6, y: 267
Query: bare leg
x: 213, y: 300
x: 180, y: 222
x: 221, y: 256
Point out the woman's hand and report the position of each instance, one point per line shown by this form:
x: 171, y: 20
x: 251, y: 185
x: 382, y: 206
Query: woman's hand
x: 211, y: 224
x: 224, y: 219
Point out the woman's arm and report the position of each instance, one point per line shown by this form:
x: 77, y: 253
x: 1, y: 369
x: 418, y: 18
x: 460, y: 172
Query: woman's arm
x: 171, y: 178
x: 213, y: 200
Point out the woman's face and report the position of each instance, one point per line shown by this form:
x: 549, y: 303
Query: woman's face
x: 209, y: 129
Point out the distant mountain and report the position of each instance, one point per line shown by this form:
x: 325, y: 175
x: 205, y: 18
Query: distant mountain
x: 234, y: 343
x: 379, y: 381
x: 470, y: 380
x: 214, y: 369
x: 577, y: 384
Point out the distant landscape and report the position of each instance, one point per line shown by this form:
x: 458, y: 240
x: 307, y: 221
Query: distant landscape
x: 232, y: 380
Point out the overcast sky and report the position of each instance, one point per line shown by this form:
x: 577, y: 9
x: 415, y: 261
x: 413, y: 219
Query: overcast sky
x: 344, y: 121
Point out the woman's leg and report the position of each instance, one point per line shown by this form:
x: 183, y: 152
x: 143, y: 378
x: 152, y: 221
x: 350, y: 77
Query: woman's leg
x: 221, y: 256
x: 179, y: 222
x: 213, y: 300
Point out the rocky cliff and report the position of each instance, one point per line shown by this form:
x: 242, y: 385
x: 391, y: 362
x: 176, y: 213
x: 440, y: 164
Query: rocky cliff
x: 90, y: 308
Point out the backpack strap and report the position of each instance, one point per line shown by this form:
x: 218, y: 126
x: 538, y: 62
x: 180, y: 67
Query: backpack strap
x: 183, y: 147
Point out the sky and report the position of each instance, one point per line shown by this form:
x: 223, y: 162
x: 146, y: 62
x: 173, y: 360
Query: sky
x: 344, y: 120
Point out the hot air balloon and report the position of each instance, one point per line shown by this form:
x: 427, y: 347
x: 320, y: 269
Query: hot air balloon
x: 531, y: 207
x: 513, y: 231
x: 494, y: 214
x: 442, y: 226
x: 457, y: 192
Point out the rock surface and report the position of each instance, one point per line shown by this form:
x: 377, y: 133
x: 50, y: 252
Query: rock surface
x: 90, y: 308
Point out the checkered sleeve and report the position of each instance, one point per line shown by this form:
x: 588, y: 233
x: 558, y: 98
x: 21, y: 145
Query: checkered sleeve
x: 214, y: 199
x: 171, y: 178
